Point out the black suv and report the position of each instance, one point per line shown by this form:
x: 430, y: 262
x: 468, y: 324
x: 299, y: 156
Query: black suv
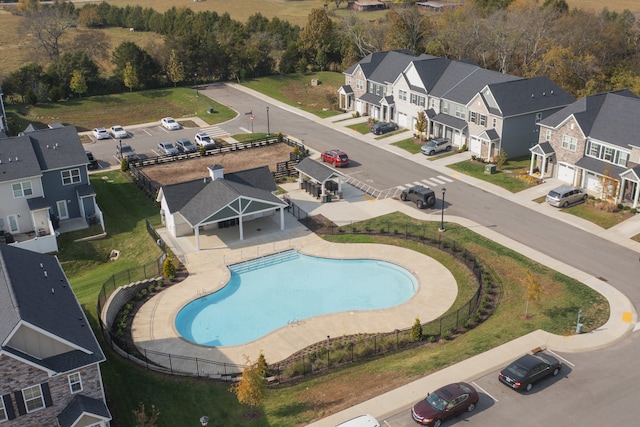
x: 422, y: 196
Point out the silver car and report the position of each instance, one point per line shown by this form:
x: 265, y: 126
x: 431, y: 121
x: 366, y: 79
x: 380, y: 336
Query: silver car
x: 436, y: 146
x: 566, y: 195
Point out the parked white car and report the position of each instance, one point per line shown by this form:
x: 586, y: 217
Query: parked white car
x: 170, y: 123
x: 101, y: 133
x: 204, y: 140
x: 118, y: 132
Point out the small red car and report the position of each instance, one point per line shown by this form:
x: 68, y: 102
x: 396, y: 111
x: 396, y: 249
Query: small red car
x: 445, y: 403
x: 337, y: 158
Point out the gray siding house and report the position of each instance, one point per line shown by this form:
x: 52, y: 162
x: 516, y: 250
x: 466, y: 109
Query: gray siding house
x: 44, y: 187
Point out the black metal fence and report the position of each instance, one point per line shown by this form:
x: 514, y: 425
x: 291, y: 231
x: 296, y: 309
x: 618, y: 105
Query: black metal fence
x: 334, y: 352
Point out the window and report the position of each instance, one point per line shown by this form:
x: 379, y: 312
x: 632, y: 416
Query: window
x: 348, y: 82
x: 569, y: 142
x: 359, y: 84
x: 22, y: 189
x: 371, y: 88
x: 483, y: 120
x: 473, y: 117
x: 33, y: 398
x: 494, y: 122
x: 461, y: 112
x: 421, y: 101
x: 75, y: 382
x: 622, y: 158
x: 3, y: 411
x: 433, y: 103
x: 547, y: 136
x: 608, y: 154
x: 445, y: 107
x: 402, y: 94
x: 71, y: 176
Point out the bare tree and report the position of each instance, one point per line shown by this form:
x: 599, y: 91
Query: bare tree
x: 409, y: 29
x: 48, y: 24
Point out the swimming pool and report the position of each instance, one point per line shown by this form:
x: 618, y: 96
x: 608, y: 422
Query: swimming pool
x: 266, y: 294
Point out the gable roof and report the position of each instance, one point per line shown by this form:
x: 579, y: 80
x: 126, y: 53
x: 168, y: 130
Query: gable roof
x: 79, y: 406
x: 461, y: 81
x: 316, y: 170
x: 369, y: 63
x: 523, y: 96
x: 35, y: 293
x: 391, y: 66
x: 610, y: 116
x: 39, y: 151
x: 196, y: 200
x: 430, y: 70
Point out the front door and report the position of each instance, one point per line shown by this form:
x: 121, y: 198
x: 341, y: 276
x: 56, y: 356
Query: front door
x: 63, y: 213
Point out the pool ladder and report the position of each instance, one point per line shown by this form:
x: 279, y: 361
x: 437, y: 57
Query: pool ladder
x: 254, y: 264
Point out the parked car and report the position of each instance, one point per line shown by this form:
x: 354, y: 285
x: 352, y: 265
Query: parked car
x: 436, y: 145
x: 422, y: 196
x: 521, y: 374
x: 185, y: 146
x: 361, y: 421
x: 445, y: 403
x: 204, y: 140
x: 170, y: 123
x: 337, y: 158
x: 101, y: 133
x: 167, y: 148
x: 125, y: 150
x: 566, y: 195
x: 118, y: 132
x: 93, y: 163
x: 383, y: 127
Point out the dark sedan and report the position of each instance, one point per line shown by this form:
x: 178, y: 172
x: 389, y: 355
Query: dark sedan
x: 530, y: 368
x: 383, y: 127
x: 444, y: 403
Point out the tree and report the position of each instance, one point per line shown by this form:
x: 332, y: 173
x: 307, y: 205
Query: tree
x: 501, y: 159
x: 534, y: 292
x: 144, y: 419
x: 251, y: 388
x: 168, y: 268
x: 48, y: 24
x: 140, y: 61
x: 130, y: 77
x: 28, y: 6
x: 409, y: 29
x: 78, y: 84
x: 317, y: 42
x: 175, y: 68
x: 416, y: 330
x: 421, y: 124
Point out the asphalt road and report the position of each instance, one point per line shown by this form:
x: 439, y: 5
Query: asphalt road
x: 595, y: 388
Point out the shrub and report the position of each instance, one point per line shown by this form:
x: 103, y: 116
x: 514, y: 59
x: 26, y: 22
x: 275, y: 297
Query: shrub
x: 168, y: 269
x: 432, y: 339
x: 416, y: 330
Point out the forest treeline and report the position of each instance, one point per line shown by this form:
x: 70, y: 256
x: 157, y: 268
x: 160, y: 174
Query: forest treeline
x: 583, y: 52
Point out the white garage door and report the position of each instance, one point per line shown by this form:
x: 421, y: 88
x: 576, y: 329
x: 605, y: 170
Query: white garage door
x: 566, y: 172
x: 402, y: 120
x: 457, y: 139
x: 592, y: 183
x: 475, y: 145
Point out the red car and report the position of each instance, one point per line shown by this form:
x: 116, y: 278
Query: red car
x: 444, y: 403
x: 337, y: 158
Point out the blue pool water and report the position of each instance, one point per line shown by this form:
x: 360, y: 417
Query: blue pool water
x: 266, y: 294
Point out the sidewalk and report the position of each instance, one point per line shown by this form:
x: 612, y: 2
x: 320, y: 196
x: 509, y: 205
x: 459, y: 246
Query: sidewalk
x: 622, y: 316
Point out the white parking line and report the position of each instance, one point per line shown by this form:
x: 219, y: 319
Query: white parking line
x: 560, y: 357
x: 484, y: 391
x: 147, y: 132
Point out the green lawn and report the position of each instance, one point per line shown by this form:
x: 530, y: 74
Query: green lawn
x: 592, y: 211
x: 128, y: 385
x: 296, y: 90
x: 507, y: 178
x: 124, y: 109
x: 363, y: 127
x: 411, y: 145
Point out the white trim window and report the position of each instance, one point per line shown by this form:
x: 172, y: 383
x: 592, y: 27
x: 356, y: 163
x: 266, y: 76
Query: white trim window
x: 22, y: 189
x: 402, y: 95
x: 483, y: 120
x: 607, y: 153
x: 3, y: 411
x: 359, y: 84
x: 547, y: 135
x: 71, y: 176
x: 473, y: 117
x: 569, y: 142
x: 75, y: 382
x: 494, y: 122
x: 33, y: 398
x: 460, y: 112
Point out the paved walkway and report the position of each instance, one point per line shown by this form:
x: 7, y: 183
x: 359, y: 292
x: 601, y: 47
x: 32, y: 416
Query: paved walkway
x: 358, y: 206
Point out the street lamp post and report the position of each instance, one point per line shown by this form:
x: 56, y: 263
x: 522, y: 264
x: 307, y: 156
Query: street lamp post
x: 268, y: 129
x: 195, y: 82
x: 444, y: 190
x: 204, y: 420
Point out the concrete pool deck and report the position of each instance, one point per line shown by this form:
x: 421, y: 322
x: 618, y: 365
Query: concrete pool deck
x: 154, y: 328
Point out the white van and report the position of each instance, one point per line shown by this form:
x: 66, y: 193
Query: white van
x: 361, y: 421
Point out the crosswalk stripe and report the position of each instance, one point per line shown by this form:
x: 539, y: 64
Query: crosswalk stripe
x: 440, y: 182
x: 429, y: 183
x: 214, y: 131
x: 445, y: 178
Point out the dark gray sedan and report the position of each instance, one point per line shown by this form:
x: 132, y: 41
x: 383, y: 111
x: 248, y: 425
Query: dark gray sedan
x: 521, y: 374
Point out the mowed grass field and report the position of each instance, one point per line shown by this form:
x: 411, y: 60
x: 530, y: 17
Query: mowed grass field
x: 15, y: 51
